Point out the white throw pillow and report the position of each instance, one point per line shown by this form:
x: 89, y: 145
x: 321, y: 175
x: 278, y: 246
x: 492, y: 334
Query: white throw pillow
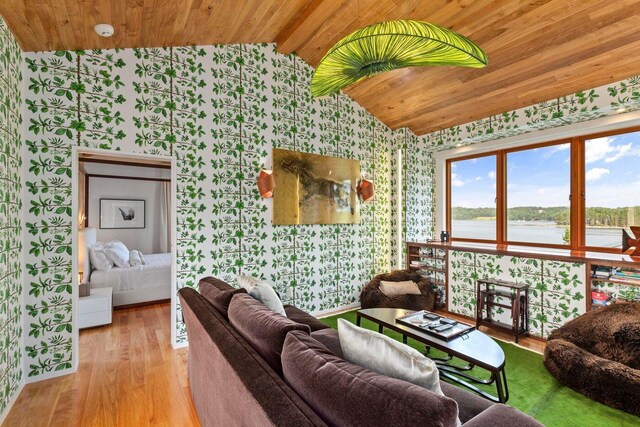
x: 263, y: 292
x: 99, y: 259
x: 135, y: 258
x: 386, y: 356
x: 118, y: 253
x: 407, y: 287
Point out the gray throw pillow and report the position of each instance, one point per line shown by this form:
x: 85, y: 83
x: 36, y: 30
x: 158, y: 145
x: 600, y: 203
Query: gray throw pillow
x: 263, y: 292
x: 387, y: 356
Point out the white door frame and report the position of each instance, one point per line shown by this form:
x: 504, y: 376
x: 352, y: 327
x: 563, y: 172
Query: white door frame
x: 76, y: 153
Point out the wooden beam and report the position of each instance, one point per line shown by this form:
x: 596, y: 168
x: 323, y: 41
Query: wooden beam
x: 306, y: 24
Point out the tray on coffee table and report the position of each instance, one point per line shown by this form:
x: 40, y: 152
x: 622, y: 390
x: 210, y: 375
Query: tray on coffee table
x: 417, y: 320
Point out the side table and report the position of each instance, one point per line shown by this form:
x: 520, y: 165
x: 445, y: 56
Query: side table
x: 491, y: 293
x: 95, y: 309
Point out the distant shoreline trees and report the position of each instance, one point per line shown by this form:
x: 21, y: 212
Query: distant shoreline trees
x: 602, y: 217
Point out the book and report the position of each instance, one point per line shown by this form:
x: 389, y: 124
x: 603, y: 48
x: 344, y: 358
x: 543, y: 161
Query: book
x: 603, y: 272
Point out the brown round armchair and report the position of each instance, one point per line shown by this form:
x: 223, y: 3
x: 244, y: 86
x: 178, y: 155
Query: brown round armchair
x: 598, y: 355
x: 372, y: 297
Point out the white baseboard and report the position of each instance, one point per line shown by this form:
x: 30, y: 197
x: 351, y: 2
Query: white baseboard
x: 176, y: 346
x: 11, y: 402
x: 337, y: 310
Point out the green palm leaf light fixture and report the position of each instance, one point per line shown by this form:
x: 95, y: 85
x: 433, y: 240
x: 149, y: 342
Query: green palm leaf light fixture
x: 391, y: 45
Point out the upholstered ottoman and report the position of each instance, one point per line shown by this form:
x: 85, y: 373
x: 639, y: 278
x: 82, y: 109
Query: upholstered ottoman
x: 598, y: 355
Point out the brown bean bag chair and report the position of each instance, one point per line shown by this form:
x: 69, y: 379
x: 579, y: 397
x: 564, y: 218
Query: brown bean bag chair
x: 372, y: 297
x: 598, y: 355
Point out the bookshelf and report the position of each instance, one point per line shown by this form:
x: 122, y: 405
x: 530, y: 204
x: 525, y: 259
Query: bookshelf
x: 431, y: 261
x: 610, y: 282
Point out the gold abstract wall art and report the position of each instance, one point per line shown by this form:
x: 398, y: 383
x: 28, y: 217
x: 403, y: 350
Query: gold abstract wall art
x: 314, y: 189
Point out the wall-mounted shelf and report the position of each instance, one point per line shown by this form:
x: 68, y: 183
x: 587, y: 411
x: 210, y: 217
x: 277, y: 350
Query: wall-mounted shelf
x: 431, y: 261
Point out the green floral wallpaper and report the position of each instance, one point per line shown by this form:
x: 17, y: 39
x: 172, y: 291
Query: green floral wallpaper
x: 11, y: 224
x: 556, y: 289
x: 218, y: 110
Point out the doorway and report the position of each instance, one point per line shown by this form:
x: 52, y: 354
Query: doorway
x: 124, y: 238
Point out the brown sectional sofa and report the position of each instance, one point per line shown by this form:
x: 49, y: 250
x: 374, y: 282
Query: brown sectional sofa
x: 232, y: 384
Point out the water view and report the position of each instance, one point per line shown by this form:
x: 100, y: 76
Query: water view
x: 535, y: 231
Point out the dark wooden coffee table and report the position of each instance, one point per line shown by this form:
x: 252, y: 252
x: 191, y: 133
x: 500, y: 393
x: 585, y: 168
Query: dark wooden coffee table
x: 474, y: 347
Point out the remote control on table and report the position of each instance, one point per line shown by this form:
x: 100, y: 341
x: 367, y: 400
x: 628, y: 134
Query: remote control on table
x: 433, y: 325
x: 431, y: 316
x: 448, y: 321
x: 443, y: 328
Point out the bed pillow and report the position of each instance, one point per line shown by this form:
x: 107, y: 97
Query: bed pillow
x: 135, y: 258
x: 118, y: 253
x: 99, y: 259
x: 263, y: 292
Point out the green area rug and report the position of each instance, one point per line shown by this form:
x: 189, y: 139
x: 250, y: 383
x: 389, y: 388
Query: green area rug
x: 532, y: 389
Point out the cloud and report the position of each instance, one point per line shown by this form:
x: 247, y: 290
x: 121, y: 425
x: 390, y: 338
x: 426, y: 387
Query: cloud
x: 595, y: 174
x: 603, y: 149
x: 623, y: 150
x: 478, y: 178
x: 455, y: 181
x: 492, y: 174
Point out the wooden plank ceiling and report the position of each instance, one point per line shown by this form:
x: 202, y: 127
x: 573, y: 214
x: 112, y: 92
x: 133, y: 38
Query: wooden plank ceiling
x: 538, y: 49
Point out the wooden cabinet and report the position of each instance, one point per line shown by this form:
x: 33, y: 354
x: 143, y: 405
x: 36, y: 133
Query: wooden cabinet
x: 610, y: 282
x: 431, y: 260
x: 95, y: 309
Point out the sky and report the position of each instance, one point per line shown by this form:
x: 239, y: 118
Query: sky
x: 540, y: 177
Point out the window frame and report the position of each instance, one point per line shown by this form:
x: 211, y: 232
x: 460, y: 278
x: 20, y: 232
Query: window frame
x: 577, y: 193
x: 448, y: 195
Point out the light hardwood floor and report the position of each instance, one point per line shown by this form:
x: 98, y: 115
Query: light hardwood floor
x: 128, y: 376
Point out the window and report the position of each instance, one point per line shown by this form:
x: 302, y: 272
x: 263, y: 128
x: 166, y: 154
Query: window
x: 578, y: 193
x: 612, y: 188
x: 473, y: 198
x: 538, y: 189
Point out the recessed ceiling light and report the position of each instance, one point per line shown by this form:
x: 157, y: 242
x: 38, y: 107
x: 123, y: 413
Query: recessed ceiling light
x: 104, y: 30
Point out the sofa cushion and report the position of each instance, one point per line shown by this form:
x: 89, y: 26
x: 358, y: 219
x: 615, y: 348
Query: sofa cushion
x: 387, y: 356
x: 262, y: 328
x: 219, y: 294
x: 500, y: 415
x: 330, y: 339
x: 345, y: 394
x: 469, y: 404
x: 263, y: 292
x: 297, y: 315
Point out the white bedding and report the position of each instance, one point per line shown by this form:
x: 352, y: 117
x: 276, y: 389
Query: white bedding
x: 155, y: 273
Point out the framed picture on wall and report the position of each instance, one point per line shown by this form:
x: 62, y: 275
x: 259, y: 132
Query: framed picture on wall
x: 122, y: 213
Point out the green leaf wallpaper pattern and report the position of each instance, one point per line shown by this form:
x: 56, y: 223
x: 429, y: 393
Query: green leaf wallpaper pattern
x: 218, y: 110
x: 556, y: 292
x: 11, y: 224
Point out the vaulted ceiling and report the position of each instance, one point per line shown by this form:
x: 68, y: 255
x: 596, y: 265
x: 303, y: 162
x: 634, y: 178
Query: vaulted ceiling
x: 538, y: 49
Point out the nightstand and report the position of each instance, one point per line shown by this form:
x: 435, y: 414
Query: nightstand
x: 95, y: 310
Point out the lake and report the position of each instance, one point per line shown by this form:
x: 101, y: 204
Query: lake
x: 535, y: 232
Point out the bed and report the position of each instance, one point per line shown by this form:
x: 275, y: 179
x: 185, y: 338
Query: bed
x: 133, y: 285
